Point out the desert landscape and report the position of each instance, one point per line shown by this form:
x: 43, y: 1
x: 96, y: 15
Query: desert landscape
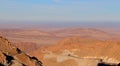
x: 68, y: 46
x: 59, y: 32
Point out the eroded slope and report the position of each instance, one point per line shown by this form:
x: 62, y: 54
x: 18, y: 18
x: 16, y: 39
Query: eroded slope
x: 12, y: 56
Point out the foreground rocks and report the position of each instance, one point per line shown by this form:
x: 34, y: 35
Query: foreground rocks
x: 12, y: 56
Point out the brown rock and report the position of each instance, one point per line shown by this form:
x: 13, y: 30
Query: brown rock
x: 12, y: 56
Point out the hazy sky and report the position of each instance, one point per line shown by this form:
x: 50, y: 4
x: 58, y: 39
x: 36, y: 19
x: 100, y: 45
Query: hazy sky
x: 60, y: 10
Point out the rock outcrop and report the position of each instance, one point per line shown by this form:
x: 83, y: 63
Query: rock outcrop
x: 12, y: 56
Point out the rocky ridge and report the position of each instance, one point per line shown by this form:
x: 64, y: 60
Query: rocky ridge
x: 12, y: 56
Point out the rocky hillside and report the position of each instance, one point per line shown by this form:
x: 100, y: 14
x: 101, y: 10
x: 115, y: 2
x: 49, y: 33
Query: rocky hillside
x: 12, y: 56
x: 79, y: 51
